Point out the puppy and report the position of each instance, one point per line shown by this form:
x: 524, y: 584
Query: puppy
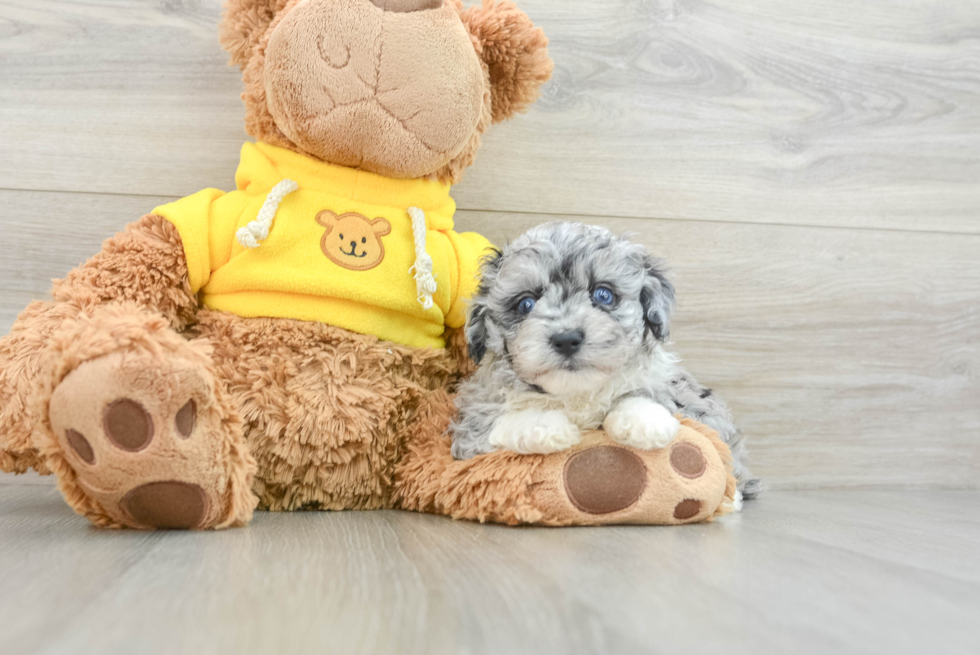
x: 568, y: 327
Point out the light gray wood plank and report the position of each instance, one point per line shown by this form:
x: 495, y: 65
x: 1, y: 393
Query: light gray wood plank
x: 766, y: 588
x: 912, y: 529
x: 52, y: 234
x: 816, y: 113
x: 117, y: 96
x: 850, y: 357
x: 29, y: 478
x: 390, y: 582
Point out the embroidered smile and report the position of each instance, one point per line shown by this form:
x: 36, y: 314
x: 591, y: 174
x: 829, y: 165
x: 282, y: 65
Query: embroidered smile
x: 352, y: 252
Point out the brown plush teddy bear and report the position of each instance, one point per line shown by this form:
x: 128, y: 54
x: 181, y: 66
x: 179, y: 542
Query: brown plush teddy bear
x: 293, y: 344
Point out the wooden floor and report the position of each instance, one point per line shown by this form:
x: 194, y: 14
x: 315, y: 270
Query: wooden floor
x: 797, y: 572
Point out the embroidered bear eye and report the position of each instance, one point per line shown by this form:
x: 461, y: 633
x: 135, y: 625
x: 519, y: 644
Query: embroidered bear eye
x: 363, y: 239
x: 341, y: 237
x: 603, y: 296
x: 526, y: 305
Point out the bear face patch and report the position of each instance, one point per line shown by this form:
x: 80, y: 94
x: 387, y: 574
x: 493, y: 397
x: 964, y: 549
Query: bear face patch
x: 353, y: 241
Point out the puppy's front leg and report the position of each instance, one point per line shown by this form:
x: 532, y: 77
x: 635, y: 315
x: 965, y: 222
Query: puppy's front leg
x: 533, y: 431
x: 641, y: 423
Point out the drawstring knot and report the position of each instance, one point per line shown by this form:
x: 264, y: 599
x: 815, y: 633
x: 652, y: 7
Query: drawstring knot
x: 257, y: 231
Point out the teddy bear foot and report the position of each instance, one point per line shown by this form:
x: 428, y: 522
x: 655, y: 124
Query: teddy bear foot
x: 600, y: 482
x: 149, y: 440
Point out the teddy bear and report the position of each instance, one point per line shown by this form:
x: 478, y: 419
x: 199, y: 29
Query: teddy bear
x: 294, y: 344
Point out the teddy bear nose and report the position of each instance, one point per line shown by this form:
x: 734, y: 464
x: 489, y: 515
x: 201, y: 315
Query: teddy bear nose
x: 406, y: 6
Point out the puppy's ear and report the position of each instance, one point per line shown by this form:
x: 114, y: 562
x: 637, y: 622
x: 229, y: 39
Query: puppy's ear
x: 515, y: 51
x: 657, y: 298
x: 477, y: 332
x: 242, y: 25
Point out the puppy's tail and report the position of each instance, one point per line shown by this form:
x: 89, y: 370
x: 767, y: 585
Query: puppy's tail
x: 750, y: 486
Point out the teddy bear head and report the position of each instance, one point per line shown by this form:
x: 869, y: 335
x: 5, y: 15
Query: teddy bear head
x: 402, y: 88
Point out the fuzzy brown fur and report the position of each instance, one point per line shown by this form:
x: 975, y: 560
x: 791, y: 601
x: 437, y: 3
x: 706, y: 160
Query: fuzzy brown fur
x: 325, y: 410
x: 514, y: 53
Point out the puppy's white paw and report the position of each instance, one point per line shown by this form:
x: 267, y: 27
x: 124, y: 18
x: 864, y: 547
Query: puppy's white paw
x: 534, y: 432
x: 641, y: 423
x: 735, y: 504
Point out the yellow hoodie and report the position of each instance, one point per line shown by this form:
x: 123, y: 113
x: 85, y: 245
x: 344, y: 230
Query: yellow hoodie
x: 306, y: 240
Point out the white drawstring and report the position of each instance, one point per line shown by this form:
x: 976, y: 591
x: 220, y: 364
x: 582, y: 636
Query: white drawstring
x: 258, y: 230
x: 425, y: 281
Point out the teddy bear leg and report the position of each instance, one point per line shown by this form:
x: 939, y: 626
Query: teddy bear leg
x: 138, y: 429
x: 596, y: 482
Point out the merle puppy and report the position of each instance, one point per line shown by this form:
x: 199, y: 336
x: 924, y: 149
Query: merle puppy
x: 568, y: 326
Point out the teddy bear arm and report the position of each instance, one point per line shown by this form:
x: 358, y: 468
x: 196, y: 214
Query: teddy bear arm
x: 144, y: 264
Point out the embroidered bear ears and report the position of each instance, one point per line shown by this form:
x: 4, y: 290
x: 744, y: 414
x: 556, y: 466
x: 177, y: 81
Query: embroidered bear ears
x: 512, y: 50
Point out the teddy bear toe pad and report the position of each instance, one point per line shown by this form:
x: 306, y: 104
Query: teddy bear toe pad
x: 167, y: 505
x: 604, y: 479
x: 140, y: 436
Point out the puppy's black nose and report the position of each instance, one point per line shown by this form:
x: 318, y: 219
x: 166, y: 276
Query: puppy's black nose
x: 568, y: 343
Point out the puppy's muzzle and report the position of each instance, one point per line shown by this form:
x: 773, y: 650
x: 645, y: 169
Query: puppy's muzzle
x: 567, y: 343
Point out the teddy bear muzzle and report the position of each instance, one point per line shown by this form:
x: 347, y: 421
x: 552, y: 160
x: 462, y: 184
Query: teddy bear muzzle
x: 406, y: 6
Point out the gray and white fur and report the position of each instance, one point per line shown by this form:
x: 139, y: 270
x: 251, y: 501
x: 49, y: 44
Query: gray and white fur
x: 587, y: 354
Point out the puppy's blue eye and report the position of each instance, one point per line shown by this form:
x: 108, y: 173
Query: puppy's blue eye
x: 603, y: 296
x: 526, y: 305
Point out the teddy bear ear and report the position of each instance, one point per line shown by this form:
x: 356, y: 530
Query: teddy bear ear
x: 327, y: 219
x: 380, y: 227
x: 242, y: 25
x: 515, y: 51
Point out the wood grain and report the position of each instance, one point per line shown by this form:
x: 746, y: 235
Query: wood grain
x: 872, y: 572
x: 850, y: 357
x: 806, y: 113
